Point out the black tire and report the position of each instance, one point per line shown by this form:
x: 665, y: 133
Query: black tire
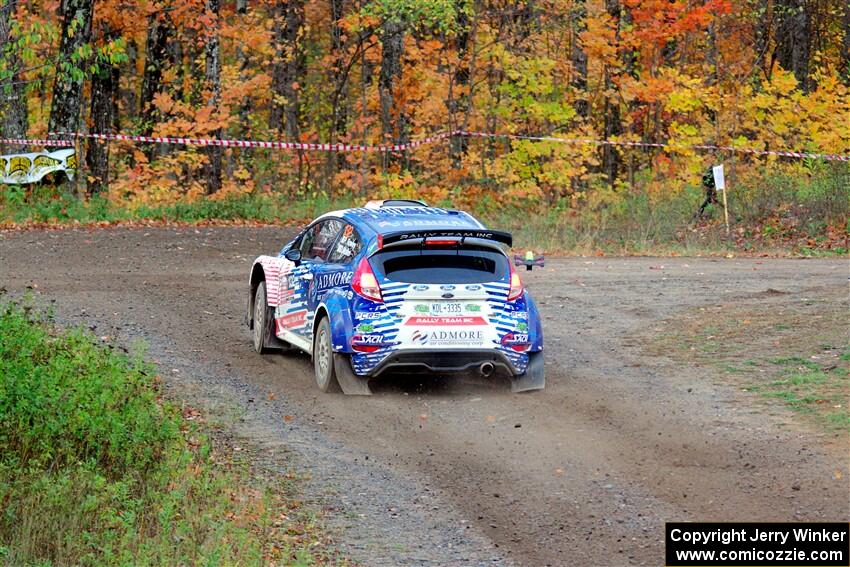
x: 263, y: 335
x: 323, y: 358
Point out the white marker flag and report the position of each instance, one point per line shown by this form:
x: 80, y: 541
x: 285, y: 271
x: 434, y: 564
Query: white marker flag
x: 719, y: 178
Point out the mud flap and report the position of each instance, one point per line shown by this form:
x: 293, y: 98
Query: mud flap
x: 350, y: 383
x: 534, y: 378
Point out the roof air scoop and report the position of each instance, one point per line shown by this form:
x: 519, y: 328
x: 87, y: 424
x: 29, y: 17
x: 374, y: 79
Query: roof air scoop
x: 379, y: 203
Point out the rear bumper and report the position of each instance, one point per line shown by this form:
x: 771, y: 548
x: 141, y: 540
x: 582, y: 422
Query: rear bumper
x: 430, y: 360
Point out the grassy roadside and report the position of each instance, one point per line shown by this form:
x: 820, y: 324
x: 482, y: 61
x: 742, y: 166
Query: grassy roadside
x: 96, y: 468
x: 778, y: 215
x: 783, y: 349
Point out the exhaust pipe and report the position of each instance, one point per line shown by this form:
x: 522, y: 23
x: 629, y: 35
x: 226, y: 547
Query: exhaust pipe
x: 486, y: 369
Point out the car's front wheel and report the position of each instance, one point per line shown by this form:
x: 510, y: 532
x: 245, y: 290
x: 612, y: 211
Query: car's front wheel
x: 323, y: 358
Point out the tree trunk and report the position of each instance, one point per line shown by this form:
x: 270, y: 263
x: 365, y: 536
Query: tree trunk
x: 612, y: 126
x: 156, y: 55
x: 338, y: 77
x: 243, y: 60
x: 104, y: 91
x: 212, y: 75
x: 340, y: 111
x: 13, y: 101
x: 579, y: 57
x: 392, y: 118
x: 68, y: 88
x: 845, y: 47
x: 793, y: 39
x: 459, y: 95
x: 288, y: 68
x: 156, y: 59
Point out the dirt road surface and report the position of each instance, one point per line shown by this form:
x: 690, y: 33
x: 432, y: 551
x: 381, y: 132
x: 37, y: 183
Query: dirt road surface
x: 461, y: 471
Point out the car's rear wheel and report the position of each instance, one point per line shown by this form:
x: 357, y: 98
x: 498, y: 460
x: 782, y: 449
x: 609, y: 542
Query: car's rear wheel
x: 263, y: 321
x: 323, y: 358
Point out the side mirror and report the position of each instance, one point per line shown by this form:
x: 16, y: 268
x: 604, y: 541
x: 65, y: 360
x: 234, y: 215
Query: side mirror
x: 293, y: 255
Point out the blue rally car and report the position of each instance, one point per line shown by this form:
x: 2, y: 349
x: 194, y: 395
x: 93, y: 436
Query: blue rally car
x: 393, y: 287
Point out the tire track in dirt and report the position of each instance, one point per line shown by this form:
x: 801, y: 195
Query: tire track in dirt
x: 585, y: 472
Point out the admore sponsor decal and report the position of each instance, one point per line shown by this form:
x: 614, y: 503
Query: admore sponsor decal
x: 454, y: 337
x: 335, y: 279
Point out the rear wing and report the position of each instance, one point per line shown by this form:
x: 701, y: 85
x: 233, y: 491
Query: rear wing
x: 463, y: 234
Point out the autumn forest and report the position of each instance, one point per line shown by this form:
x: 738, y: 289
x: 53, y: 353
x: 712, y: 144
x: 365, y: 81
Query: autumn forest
x: 753, y: 74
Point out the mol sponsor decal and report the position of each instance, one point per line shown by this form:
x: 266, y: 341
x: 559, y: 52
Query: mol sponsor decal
x: 453, y: 337
x: 445, y: 321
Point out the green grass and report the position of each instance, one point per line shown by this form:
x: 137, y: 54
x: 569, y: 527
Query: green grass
x: 804, y: 371
x: 96, y: 468
x: 808, y: 388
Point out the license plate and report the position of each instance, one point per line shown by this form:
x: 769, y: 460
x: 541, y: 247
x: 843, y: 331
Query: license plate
x: 446, y: 308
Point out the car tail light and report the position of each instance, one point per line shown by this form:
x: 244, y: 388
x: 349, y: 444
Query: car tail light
x: 366, y: 348
x: 364, y: 282
x: 437, y: 242
x: 516, y: 285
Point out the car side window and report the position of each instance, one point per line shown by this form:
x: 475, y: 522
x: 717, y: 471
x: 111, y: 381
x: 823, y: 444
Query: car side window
x: 307, y: 240
x: 319, y: 239
x: 347, y: 247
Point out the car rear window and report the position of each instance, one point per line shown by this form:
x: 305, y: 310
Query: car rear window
x: 450, y: 266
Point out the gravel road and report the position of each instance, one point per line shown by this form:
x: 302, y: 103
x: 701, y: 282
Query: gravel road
x: 461, y: 471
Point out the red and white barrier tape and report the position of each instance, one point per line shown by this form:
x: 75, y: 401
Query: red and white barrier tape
x: 55, y: 143
x: 779, y: 153
x: 409, y: 145
x: 260, y: 144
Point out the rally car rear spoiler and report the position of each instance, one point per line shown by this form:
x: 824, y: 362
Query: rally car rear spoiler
x: 483, y: 234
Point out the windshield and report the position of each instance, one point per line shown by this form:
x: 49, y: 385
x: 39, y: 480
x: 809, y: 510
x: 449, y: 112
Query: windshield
x: 470, y: 264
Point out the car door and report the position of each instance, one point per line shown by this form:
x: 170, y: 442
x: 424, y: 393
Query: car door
x: 296, y: 307
x: 315, y: 246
